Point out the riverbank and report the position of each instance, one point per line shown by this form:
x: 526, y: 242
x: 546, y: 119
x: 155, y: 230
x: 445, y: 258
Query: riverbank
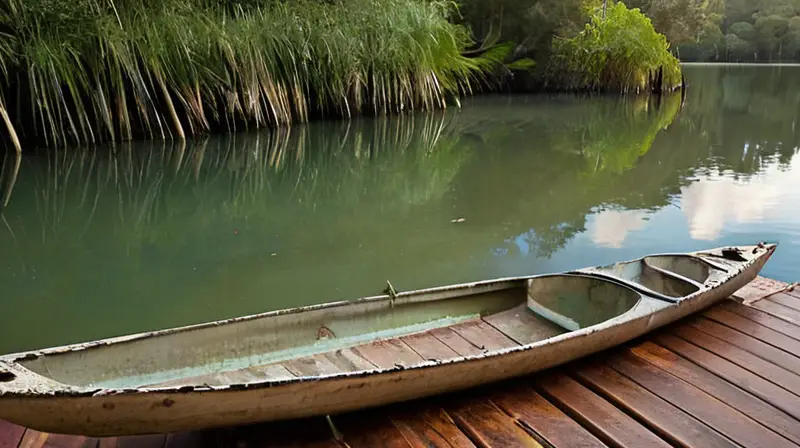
x: 83, y: 73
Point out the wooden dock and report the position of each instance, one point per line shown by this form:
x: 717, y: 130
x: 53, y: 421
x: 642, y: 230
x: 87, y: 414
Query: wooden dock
x: 729, y: 376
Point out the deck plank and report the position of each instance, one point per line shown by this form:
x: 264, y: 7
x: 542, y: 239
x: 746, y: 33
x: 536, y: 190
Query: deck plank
x: 302, y: 433
x: 523, y: 326
x: 312, y: 366
x: 668, y: 421
x: 705, y: 407
x: 10, y: 434
x: 429, y: 427
x: 189, y: 439
x: 761, y: 349
x: 735, y: 373
x: 148, y: 441
x: 68, y: 441
x: 778, y: 310
x: 766, y: 319
x: 367, y: 429
x: 489, y: 427
x: 483, y: 335
x: 758, y: 288
x: 456, y: 342
x: 388, y: 354
x: 33, y: 439
x: 785, y: 299
x: 724, y: 391
x: 602, y: 418
x: 540, y: 416
x: 756, y: 330
x: 429, y: 347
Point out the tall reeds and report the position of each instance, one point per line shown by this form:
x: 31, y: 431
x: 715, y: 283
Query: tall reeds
x: 83, y: 71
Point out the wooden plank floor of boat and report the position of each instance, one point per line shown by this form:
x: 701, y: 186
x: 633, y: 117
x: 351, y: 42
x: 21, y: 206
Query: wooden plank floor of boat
x: 727, y: 376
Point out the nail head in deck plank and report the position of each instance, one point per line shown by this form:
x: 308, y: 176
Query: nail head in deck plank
x: 667, y: 420
x: 765, y: 319
x: 776, y: 309
x: 538, y: 414
x: 10, y: 434
x: 429, y: 427
x: 456, y: 342
x: 522, y: 325
x: 756, y: 330
x: 388, y: 354
x: 489, y: 427
x: 721, y: 416
x: 726, y: 392
x: 734, y: 373
x: 601, y: 417
x: 483, y: 335
x: 761, y: 349
x: 429, y: 347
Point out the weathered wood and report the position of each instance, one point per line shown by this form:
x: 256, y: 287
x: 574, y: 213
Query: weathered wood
x: 489, y: 427
x: 748, y: 343
x: 758, y: 331
x: 546, y: 420
x: 766, y: 319
x: 10, y: 434
x: 758, y: 288
x: 778, y: 310
x: 746, y: 371
x: 272, y: 372
x: 429, y: 427
x: 312, y: 366
x: 785, y: 299
x: 67, y: 441
x: 429, y: 347
x: 605, y: 420
x: 33, y: 439
x: 348, y: 361
x: 523, y: 326
x: 456, y: 342
x: 388, y: 354
x: 483, y: 335
x: 724, y: 391
x: 705, y: 407
x: 302, y: 433
x: 659, y: 415
x: 367, y: 430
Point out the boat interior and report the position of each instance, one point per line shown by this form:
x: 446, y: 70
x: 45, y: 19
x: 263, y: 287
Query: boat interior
x: 375, y: 333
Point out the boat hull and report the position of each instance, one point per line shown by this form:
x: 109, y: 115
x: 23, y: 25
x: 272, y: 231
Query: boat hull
x: 143, y: 411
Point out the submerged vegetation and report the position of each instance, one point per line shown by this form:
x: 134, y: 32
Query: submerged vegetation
x: 83, y: 71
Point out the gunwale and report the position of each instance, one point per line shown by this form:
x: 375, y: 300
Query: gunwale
x: 427, y: 294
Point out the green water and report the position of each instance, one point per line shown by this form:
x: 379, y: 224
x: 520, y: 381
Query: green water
x: 113, y: 240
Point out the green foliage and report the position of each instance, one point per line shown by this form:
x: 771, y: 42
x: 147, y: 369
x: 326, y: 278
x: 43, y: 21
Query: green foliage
x: 619, y: 52
x: 89, y: 70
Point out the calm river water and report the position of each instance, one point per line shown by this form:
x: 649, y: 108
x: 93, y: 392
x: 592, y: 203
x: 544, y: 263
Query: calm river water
x: 104, y: 242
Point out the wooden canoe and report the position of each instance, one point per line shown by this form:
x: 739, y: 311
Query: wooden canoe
x: 342, y: 356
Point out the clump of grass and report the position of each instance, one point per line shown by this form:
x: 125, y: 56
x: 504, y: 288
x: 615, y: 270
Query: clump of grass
x: 620, y: 51
x: 91, y: 70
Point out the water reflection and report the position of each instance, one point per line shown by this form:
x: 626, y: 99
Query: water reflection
x: 106, y: 241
